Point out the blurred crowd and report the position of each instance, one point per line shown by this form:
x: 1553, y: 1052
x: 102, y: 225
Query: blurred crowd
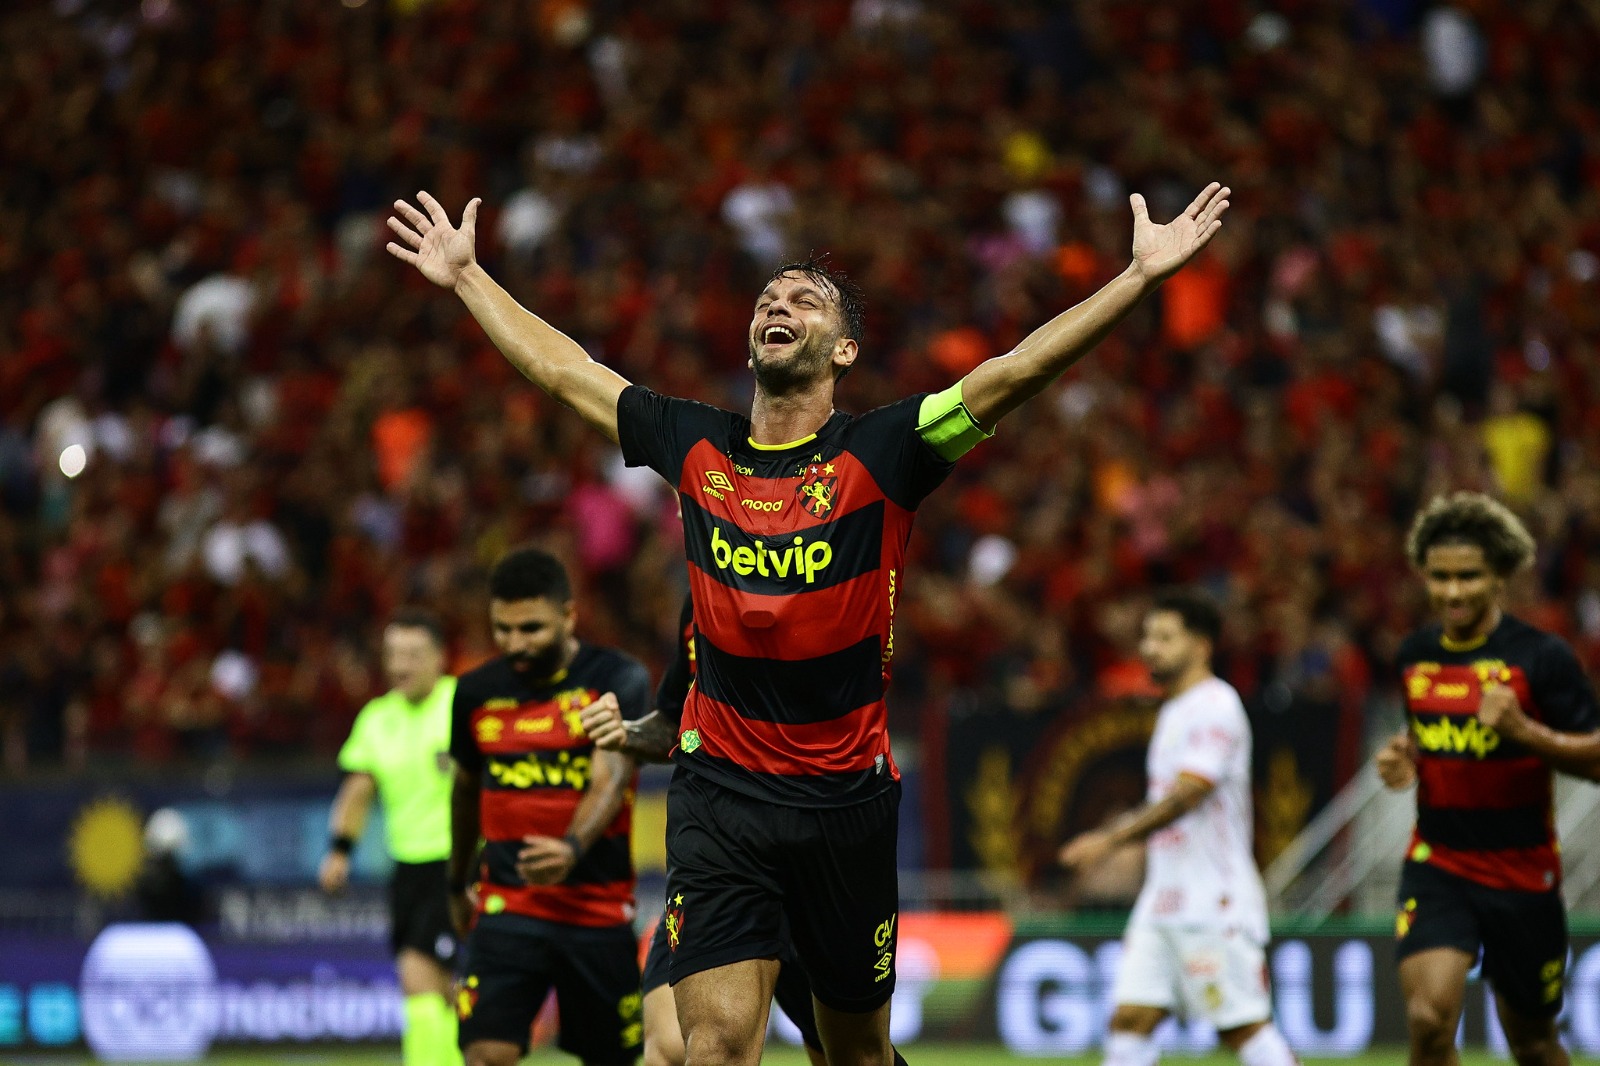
x: 235, y: 435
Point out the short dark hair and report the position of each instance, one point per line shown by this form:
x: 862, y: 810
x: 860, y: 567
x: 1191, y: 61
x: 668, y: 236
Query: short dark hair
x: 851, y: 300
x: 420, y: 618
x: 529, y: 574
x: 1476, y: 519
x: 1199, y: 612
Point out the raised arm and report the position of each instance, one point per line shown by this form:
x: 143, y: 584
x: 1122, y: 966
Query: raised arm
x: 543, y: 354
x: 999, y: 385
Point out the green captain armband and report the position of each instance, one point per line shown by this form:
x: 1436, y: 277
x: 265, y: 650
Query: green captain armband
x: 947, y: 426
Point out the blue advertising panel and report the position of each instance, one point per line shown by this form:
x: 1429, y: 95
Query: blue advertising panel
x: 152, y: 992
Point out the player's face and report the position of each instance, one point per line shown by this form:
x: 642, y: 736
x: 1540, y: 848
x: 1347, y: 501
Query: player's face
x: 1461, y: 588
x: 533, y: 635
x: 795, y: 333
x: 1167, y: 648
x: 412, y: 660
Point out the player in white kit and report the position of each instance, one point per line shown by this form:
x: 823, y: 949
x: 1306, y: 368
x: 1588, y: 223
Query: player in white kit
x: 1196, y: 942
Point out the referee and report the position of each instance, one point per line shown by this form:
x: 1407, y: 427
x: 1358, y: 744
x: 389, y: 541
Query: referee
x: 399, y: 748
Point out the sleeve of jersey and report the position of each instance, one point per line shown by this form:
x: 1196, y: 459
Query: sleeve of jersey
x: 463, y: 745
x: 1213, y: 738
x: 1409, y: 652
x: 657, y: 431
x: 946, y: 425
x: 633, y: 689
x: 888, y: 444
x: 355, y: 757
x: 1564, y: 694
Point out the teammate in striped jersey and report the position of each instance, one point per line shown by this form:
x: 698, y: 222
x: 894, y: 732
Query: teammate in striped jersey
x: 1494, y: 704
x: 550, y: 898
x: 783, y: 812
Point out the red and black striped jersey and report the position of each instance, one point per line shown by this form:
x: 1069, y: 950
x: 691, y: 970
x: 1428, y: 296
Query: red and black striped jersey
x: 796, y: 554
x: 525, y: 741
x: 1484, y: 805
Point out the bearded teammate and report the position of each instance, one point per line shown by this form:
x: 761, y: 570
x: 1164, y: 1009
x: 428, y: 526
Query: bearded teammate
x: 783, y: 811
x: 652, y: 738
x: 1196, y: 941
x: 553, y: 892
x: 1494, y: 704
x: 399, y: 752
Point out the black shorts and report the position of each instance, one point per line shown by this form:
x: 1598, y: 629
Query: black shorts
x: 793, y: 991
x: 1521, y: 936
x: 419, y: 911
x: 740, y: 871
x: 512, y: 962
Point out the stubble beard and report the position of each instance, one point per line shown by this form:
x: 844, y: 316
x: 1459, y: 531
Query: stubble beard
x: 798, y: 372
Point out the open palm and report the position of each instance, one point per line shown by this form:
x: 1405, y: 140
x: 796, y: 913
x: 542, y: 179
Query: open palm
x: 1158, y: 251
x: 430, y: 243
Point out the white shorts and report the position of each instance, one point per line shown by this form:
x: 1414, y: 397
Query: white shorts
x: 1195, y: 972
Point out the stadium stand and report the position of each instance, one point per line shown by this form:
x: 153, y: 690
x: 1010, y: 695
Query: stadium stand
x: 282, y: 435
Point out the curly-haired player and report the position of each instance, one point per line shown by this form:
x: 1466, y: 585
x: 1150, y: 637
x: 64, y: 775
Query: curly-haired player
x: 1494, y: 704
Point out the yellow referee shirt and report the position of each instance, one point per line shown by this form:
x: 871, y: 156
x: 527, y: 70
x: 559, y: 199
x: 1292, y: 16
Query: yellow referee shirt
x: 405, y: 746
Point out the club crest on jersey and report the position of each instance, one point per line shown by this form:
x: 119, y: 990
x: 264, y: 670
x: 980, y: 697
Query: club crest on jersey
x: 816, y: 492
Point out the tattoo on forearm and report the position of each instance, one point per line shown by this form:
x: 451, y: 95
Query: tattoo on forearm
x: 651, y: 737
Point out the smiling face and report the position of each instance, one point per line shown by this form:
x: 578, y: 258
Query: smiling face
x: 1463, y: 591
x: 797, y: 334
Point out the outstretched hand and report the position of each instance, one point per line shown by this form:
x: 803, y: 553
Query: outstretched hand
x: 1159, y: 251
x: 428, y: 241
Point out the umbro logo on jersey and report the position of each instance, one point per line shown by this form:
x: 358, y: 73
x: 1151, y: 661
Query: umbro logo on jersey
x: 717, y: 484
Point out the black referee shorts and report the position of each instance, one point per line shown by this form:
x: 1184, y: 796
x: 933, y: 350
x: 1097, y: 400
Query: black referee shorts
x: 1522, y: 935
x: 741, y: 872
x: 419, y: 911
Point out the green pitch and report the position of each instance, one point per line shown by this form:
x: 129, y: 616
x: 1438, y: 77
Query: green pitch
x: 917, y: 1054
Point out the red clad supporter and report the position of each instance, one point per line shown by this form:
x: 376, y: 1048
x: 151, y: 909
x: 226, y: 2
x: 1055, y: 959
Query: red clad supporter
x: 189, y: 243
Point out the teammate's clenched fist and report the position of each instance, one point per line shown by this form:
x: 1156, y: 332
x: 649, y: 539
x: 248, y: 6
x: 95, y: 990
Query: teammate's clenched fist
x: 602, y: 720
